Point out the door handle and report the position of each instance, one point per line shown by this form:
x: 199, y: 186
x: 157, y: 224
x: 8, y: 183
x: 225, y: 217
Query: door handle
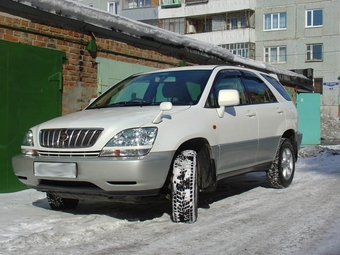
x: 279, y: 110
x: 250, y: 114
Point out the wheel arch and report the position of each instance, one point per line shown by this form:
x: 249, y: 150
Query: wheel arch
x: 291, y: 135
x: 206, y: 162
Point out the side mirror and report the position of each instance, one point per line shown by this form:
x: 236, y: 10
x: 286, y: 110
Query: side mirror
x: 165, y: 106
x: 227, y: 97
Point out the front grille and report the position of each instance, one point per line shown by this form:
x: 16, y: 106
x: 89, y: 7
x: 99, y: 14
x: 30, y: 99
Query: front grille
x: 69, y: 138
x: 74, y: 154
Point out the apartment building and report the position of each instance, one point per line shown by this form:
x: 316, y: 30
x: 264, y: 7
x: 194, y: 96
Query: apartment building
x: 304, y: 35
x: 299, y: 35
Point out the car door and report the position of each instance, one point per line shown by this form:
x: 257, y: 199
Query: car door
x: 270, y: 115
x: 238, y: 128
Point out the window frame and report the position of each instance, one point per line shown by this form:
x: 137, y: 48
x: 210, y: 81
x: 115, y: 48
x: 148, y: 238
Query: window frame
x: 312, y: 17
x: 318, y: 85
x: 310, y: 51
x: 240, y: 49
x: 267, y: 57
x: 271, y: 28
x: 176, y: 25
x: 135, y: 4
x: 115, y: 6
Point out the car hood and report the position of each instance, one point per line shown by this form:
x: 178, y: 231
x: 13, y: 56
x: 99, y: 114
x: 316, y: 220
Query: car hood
x: 105, y: 118
x: 112, y: 120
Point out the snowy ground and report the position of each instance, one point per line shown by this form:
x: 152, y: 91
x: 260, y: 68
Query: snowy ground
x: 244, y: 216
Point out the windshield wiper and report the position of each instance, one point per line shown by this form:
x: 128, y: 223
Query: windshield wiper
x: 127, y: 103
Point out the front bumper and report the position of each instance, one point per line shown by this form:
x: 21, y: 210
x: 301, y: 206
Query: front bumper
x: 143, y: 176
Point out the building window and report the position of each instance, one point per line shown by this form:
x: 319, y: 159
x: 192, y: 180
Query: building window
x: 314, y: 18
x: 275, y: 21
x: 236, y: 23
x: 240, y: 49
x: 174, y: 25
x: 318, y: 85
x: 314, y: 52
x: 112, y: 7
x: 195, y: 1
x: 200, y: 24
x: 170, y: 3
x: 275, y: 54
x: 128, y: 4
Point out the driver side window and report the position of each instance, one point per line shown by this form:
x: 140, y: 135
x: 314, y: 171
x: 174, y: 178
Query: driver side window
x: 227, y: 79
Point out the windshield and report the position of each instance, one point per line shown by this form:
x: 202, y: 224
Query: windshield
x: 178, y: 87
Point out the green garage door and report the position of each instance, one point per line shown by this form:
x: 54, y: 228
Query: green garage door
x: 31, y: 92
x: 308, y: 106
x: 111, y: 72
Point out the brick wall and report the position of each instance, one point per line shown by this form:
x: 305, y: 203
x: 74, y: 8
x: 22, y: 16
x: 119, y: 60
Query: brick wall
x: 80, y: 68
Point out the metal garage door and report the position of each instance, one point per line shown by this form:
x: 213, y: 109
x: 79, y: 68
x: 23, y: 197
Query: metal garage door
x: 308, y: 105
x: 31, y: 92
x: 110, y: 72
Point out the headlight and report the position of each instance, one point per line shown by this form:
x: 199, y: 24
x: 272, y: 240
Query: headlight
x: 28, y: 139
x: 130, y: 142
x: 28, y: 142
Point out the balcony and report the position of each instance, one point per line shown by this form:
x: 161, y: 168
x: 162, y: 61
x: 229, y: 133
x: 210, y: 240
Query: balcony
x: 226, y: 36
x: 185, y: 9
x: 144, y: 13
x: 170, y: 3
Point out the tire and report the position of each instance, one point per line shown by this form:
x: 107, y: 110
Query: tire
x: 184, y: 191
x: 59, y: 203
x: 281, y: 173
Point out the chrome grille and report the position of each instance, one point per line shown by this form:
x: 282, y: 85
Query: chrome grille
x: 73, y: 154
x: 69, y: 138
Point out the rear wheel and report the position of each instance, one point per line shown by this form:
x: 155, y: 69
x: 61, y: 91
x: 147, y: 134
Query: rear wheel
x: 281, y: 173
x: 59, y: 203
x: 184, y: 193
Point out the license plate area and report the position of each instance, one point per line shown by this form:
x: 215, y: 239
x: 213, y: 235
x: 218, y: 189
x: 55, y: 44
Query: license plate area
x: 55, y: 169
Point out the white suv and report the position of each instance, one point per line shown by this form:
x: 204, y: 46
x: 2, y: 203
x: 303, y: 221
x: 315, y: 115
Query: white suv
x: 173, y: 132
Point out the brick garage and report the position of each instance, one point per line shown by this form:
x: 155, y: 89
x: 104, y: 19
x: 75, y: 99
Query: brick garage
x: 80, y: 68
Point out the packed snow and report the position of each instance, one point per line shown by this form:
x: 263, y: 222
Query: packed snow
x: 244, y: 216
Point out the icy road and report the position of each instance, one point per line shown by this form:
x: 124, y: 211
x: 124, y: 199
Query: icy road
x: 244, y: 216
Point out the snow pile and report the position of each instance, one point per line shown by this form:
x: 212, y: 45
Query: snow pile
x: 315, y: 151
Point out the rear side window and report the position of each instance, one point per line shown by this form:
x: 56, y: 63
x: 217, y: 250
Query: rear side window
x: 258, y: 90
x: 277, y: 86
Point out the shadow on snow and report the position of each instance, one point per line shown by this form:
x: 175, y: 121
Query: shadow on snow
x: 151, y: 210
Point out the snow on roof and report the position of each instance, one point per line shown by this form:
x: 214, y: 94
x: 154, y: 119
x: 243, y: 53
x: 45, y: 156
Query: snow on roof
x: 155, y: 38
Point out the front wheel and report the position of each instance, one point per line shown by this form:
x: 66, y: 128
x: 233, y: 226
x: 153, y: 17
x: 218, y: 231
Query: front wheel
x: 281, y: 173
x: 60, y: 203
x: 184, y: 192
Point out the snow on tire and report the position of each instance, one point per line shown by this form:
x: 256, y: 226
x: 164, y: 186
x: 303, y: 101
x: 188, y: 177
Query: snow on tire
x: 59, y: 203
x: 281, y: 173
x: 184, y: 193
